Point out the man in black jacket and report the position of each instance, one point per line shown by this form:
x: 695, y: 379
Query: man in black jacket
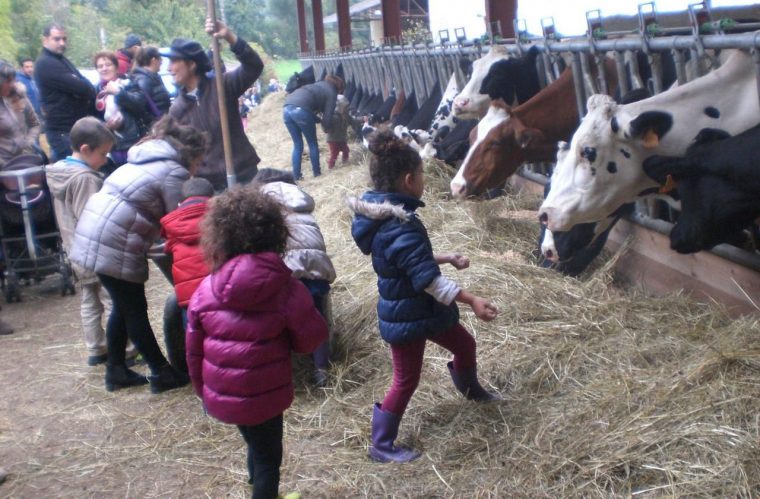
x: 65, y: 94
x: 197, y: 103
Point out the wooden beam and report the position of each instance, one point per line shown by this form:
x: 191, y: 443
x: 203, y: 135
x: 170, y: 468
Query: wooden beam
x: 344, y: 24
x: 303, y: 38
x: 319, y: 28
x: 503, y: 12
x: 391, y: 10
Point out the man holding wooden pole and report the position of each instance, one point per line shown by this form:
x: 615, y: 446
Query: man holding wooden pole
x: 197, y: 103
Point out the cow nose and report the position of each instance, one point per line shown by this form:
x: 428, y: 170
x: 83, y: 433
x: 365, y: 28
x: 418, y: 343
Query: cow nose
x: 543, y: 217
x: 551, y: 256
x: 458, y: 190
x: 461, y: 102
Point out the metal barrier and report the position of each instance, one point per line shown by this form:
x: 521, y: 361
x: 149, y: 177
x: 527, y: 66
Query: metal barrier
x: 419, y: 68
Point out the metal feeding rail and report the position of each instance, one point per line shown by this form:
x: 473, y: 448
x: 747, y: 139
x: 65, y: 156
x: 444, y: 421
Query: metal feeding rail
x: 419, y: 68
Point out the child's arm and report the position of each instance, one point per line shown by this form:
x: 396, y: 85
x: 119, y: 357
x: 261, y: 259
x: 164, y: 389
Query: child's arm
x: 484, y: 309
x: 456, y: 260
x: 82, y: 190
x: 307, y: 327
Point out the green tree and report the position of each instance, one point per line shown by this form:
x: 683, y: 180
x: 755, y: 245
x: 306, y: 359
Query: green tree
x: 8, y: 47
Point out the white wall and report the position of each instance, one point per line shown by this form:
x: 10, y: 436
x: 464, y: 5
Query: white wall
x: 451, y: 14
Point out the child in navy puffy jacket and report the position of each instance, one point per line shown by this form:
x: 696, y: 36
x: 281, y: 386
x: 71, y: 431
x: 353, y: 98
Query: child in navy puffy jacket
x: 416, y: 302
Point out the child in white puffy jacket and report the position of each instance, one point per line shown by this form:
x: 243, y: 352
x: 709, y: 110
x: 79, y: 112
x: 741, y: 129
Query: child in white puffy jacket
x: 305, y: 252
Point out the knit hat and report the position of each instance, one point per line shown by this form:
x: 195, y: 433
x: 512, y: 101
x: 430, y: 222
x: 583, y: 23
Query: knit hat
x: 131, y: 40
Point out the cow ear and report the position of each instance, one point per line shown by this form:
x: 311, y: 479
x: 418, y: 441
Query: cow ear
x: 602, y: 103
x: 650, y: 127
x: 528, y: 137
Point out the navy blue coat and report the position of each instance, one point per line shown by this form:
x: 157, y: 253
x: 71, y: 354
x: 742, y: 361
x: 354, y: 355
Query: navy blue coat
x: 402, y: 257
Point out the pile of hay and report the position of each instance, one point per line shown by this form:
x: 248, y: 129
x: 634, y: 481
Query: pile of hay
x: 607, y: 391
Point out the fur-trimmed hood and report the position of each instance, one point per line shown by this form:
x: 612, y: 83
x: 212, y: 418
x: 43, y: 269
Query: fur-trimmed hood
x: 374, y: 209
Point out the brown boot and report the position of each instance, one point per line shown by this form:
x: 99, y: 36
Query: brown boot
x: 5, y: 328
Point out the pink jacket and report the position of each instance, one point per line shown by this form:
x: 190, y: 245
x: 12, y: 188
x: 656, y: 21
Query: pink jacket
x: 242, y: 323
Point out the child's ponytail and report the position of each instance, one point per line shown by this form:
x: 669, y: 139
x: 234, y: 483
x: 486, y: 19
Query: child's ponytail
x: 392, y: 158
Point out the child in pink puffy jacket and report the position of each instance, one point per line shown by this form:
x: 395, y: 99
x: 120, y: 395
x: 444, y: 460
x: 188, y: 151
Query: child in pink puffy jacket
x: 243, y: 322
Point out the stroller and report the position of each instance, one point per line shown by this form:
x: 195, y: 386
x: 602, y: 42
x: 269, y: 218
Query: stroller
x: 29, y: 237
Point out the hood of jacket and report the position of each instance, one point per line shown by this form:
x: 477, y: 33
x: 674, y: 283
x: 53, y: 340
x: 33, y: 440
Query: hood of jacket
x: 249, y: 282
x: 290, y: 196
x: 152, y: 150
x: 374, y: 209
x: 183, y: 224
x: 62, y: 173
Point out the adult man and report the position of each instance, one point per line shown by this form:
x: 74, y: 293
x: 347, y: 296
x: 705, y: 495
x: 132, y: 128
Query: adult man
x: 198, y: 106
x: 26, y: 76
x: 65, y: 95
x: 127, y: 54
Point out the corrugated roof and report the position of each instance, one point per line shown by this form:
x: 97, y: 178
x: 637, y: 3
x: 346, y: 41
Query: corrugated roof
x: 357, y: 8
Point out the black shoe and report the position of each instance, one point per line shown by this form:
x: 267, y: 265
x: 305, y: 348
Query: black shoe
x: 5, y: 328
x: 94, y: 360
x: 118, y: 377
x: 167, y: 378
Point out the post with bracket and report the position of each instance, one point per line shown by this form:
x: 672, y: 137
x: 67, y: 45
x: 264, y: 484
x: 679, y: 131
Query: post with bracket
x: 595, y: 31
x: 648, y: 28
x: 550, y: 60
x: 700, y: 19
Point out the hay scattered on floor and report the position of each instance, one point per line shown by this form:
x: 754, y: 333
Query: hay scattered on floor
x: 607, y: 392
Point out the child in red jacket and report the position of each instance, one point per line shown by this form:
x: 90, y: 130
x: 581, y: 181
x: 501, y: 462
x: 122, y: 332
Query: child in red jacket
x: 242, y: 324
x: 181, y: 229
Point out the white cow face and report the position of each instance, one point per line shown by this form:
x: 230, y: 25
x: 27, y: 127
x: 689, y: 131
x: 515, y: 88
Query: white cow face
x: 601, y: 169
x: 470, y: 104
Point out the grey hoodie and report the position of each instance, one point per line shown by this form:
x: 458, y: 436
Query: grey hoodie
x: 71, y: 185
x: 121, y: 222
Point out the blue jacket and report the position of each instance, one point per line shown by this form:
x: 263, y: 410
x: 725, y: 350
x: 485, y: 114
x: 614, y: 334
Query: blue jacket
x: 386, y: 226
x: 32, y: 92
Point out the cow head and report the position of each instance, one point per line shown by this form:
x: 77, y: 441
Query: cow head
x: 470, y: 103
x: 498, y: 149
x: 601, y: 170
x: 714, y: 210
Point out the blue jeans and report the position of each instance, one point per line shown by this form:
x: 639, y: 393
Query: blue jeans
x: 60, y: 145
x: 300, y: 121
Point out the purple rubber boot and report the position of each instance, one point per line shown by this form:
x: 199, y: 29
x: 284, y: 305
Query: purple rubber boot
x: 384, y: 432
x: 467, y: 383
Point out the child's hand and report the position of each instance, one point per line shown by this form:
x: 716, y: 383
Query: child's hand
x: 458, y: 261
x: 484, y: 309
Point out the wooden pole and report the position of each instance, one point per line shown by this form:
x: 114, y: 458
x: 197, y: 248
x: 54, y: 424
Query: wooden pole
x: 222, y: 100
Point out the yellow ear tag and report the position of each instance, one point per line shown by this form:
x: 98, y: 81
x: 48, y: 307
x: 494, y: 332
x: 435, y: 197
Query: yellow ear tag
x: 670, y: 184
x: 651, y: 139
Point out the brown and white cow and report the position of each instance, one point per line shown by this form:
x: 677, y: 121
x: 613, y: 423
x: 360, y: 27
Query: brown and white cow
x: 603, y: 167
x: 506, y: 137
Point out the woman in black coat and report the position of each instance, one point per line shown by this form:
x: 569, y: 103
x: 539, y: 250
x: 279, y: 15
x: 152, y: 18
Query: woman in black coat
x: 145, y: 74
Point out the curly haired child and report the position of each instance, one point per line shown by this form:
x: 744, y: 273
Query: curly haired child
x: 416, y: 302
x: 243, y: 321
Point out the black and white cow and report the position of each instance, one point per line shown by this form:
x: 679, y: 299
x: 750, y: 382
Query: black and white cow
x: 513, y: 80
x: 718, y: 183
x: 298, y: 80
x: 603, y: 168
x: 470, y: 104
